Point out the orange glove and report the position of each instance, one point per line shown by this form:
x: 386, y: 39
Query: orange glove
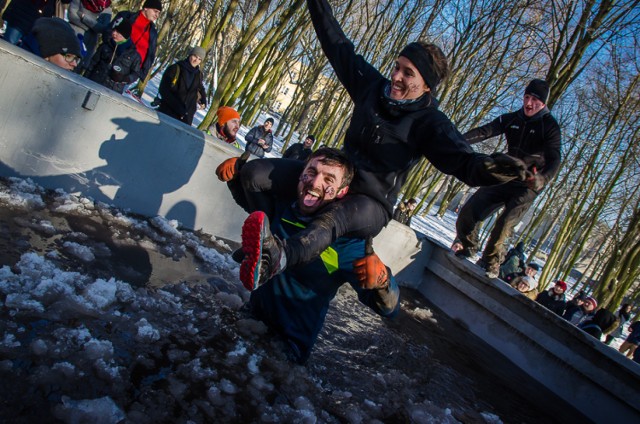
x: 371, y: 272
x: 226, y: 171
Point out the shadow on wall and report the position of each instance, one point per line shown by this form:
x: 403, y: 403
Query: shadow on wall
x: 142, y: 166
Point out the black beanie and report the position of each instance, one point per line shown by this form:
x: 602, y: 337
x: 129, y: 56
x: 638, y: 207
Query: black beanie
x: 55, y: 36
x: 312, y: 138
x: 152, y: 4
x: 269, y: 120
x: 538, y: 89
x: 123, y: 26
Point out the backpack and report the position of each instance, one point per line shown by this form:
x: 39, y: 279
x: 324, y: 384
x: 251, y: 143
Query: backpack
x: 96, y: 6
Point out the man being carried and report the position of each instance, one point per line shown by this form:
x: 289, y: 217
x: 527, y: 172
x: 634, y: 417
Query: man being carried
x: 295, y: 302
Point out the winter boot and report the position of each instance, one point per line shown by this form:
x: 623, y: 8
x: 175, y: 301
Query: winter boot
x: 264, y: 256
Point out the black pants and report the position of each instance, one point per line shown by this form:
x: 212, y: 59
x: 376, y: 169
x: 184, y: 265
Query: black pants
x: 516, y: 199
x: 267, y: 181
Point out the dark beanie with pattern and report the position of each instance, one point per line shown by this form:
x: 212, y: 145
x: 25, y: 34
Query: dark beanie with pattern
x: 152, y: 4
x: 55, y: 36
x: 123, y: 26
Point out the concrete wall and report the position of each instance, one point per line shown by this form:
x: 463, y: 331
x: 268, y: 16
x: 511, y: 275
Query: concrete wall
x: 65, y: 131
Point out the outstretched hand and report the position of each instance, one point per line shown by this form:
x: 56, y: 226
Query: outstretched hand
x: 506, y: 168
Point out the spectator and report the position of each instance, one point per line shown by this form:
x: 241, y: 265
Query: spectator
x: 630, y: 345
x: 602, y: 322
x: 395, y: 123
x: 576, y: 315
x: 116, y: 63
x: 526, y: 285
x: 260, y: 139
x: 513, y: 261
x: 89, y: 19
x: 295, y: 303
x: 404, y: 211
x: 21, y: 15
x: 181, y: 87
x: 532, y: 135
x: 300, y: 151
x: 531, y: 270
x: 54, y: 40
x: 624, y: 315
x: 554, y: 298
x: 143, y: 32
x: 227, y: 126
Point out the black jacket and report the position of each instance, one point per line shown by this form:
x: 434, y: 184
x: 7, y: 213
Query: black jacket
x: 115, y: 66
x: 22, y: 14
x: 181, y: 99
x: 535, y: 140
x: 552, y: 301
x: 297, y: 151
x: 385, y: 138
x: 153, y: 40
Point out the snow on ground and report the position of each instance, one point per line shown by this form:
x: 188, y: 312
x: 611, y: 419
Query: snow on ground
x: 110, y: 318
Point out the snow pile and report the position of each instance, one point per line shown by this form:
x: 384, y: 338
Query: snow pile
x: 80, y: 344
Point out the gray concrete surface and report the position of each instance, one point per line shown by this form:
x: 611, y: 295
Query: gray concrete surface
x: 65, y: 131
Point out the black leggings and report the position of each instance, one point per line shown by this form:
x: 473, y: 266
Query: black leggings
x: 267, y: 181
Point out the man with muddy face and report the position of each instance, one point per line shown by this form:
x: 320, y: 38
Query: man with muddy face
x: 323, y: 180
x: 294, y: 303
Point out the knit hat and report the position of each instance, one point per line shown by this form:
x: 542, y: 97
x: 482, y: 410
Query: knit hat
x: 269, y: 120
x: 534, y: 265
x: 531, y: 282
x: 55, y: 36
x: 562, y: 285
x: 591, y: 300
x: 123, y: 26
x: 152, y: 4
x: 226, y: 114
x: 312, y: 138
x: 423, y: 61
x: 538, y: 89
x: 198, y: 51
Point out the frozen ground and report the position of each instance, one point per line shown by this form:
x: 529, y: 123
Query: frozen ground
x: 111, y: 318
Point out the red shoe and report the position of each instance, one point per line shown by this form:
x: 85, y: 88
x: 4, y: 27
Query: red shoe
x: 263, y: 256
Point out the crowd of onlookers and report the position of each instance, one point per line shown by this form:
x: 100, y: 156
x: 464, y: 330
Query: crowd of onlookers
x: 582, y: 310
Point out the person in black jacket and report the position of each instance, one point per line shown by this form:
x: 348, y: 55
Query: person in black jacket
x: 532, y: 135
x: 395, y: 123
x: 181, y: 88
x: 404, y: 212
x: 116, y: 63
x: 300, y: 151
x: 554, y: 298
x: 20, y: 15
x: 144, y: 34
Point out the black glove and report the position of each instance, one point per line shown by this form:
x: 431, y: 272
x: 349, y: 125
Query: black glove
x: 505, y: 168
